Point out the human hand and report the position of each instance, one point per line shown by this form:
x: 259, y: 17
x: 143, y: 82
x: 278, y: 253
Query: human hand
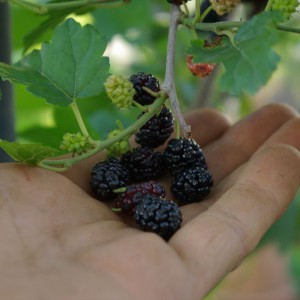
x: 57, y: 242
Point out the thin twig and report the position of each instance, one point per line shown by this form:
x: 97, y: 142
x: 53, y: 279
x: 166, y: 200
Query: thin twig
x: 223, y: 25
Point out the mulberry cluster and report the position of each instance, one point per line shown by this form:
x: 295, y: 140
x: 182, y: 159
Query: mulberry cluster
x: 187, y: 164
x: 130, y: 179
x: 286, y: 7
x: 75, y: 143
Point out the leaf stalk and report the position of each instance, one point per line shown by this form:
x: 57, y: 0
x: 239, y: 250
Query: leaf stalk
x: 80, y: 121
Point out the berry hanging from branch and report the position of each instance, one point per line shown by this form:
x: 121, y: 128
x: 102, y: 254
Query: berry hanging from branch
x: 199, y: 69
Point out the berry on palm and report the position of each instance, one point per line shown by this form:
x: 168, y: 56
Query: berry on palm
x: 143, y: 164
x: 183, y: 153
x: 106, y: 177
x: 192, y: 185
x: 161, y: 216
x: 134, y: 193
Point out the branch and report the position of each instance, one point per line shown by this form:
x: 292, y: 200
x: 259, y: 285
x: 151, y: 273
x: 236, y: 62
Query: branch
x: 168, y: 85
x: 64, y: 164
x: 223, y: 25
x: 288, y: 29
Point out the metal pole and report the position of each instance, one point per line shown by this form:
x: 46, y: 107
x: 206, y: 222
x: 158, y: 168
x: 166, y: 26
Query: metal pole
x: 6, y: 102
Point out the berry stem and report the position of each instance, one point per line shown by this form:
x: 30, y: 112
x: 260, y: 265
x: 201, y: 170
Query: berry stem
x: 205, y: 13
x: 149, y: 91
x: 120, y: 190
x: 168, y: 85
x: 177, y: 130
x: 197, y: 16
x: 120, y: 125
x: 141, y: 107
x: 269, y: 5
x: 229, y: 34
x: 115, y: 209
x: 197, y: 10
x: 186, y: 9
x: 65, y: 163
x: 80, y: 122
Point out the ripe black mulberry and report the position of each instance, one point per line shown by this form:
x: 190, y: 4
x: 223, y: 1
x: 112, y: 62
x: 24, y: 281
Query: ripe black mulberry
x: 157, y: 130
x: 107, y: 176
x: 143, y: 164
x: 158, y: 215
x: 192, y: 185
x: 181, y: 154
x: 141, y: 80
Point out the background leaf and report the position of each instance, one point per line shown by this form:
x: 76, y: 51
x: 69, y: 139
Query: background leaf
x: 250, y: 61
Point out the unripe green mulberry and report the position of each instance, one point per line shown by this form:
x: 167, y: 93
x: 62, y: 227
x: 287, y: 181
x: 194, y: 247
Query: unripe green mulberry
x: 119, y: 90
x: 222, y: 7
x: 118, y: 148
x: 288, y: 7
x: 75, y: 143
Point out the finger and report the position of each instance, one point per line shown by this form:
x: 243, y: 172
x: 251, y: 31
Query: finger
x: 287, y: 134
x: 244, y: 138
x: 224, y: 234
x: 207, y: 124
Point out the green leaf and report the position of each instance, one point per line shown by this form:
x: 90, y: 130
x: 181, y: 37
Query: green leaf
x: 249, y: 61
x: 27, y: 153
x: 70, y: 67
x: 53, y: 20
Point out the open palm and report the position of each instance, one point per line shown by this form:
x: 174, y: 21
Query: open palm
x: 58, y: 242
